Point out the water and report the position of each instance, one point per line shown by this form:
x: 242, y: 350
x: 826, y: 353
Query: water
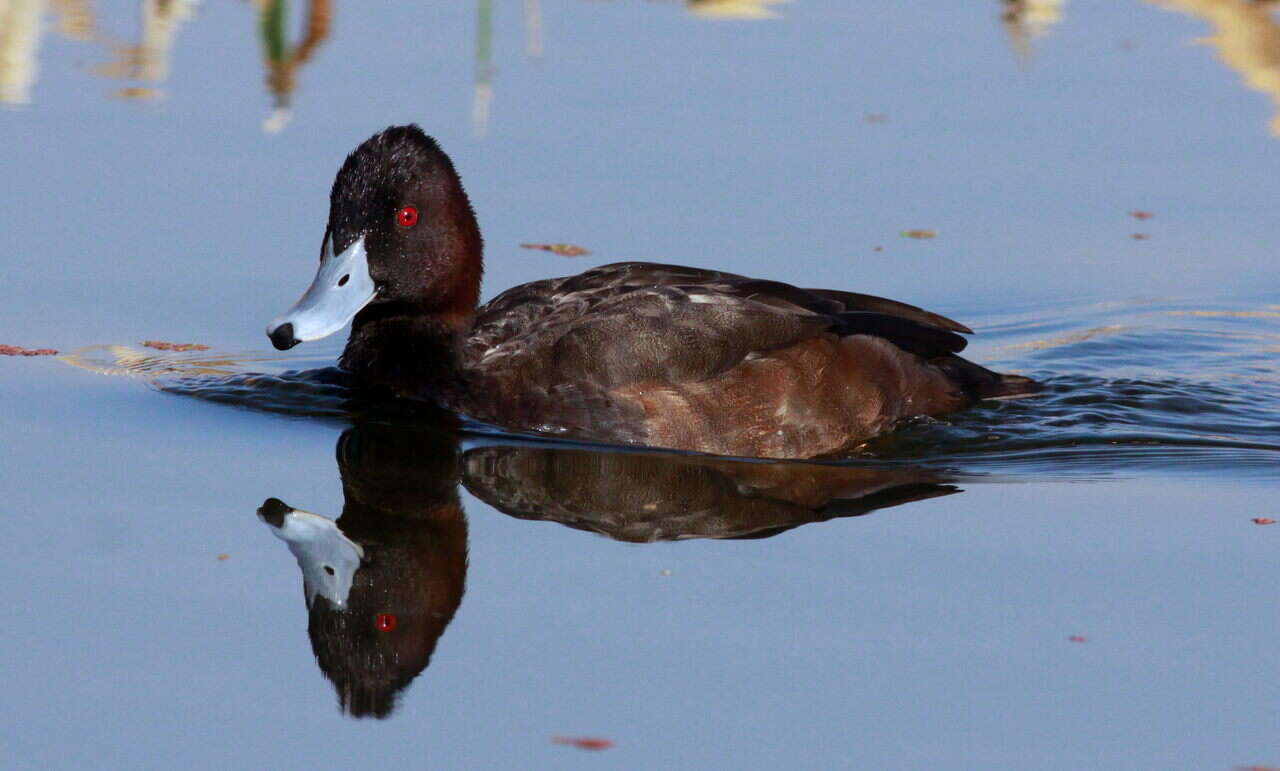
x: 1069, y: 581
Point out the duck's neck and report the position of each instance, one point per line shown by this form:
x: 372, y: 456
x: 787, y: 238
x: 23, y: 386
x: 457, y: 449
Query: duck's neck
x: 412, y: 351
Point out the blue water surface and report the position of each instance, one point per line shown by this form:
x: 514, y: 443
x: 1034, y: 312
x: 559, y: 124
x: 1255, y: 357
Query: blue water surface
x: 1073, y: 581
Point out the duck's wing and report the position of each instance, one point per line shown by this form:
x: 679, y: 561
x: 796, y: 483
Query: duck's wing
x: 525, y: 306
x: 641, y: 274
x: 646, y: 322
x: 854, y: 302
x: 661, y: 334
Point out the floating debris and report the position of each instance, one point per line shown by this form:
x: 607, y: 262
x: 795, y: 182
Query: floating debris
x: 1026, y: 20
x: 223, y: 556
x: 665, y: 572
x: 919, y: 234
x: 564, y: 250
x: 1138, y: 214
x: 1075, y: 638
x: 16, y: 350
x: 583, y: 742
x: 1263, y: 521
x: 734, y: 9
x: 137, y: 94
x: 876, y: 117
x: 160, y: 345
x: 1140, y: 236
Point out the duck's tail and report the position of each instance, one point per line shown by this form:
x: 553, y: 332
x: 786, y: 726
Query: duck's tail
x: 981, y: 383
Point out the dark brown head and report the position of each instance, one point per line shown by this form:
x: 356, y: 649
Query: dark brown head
x: 401, y: 240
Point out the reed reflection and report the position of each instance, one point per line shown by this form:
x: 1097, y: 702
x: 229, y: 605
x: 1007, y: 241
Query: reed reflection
x: 383, y: 581
x: 21, y: 28
x: 735, y: 9
x: 282, y: 60
x: 1026, y: 20
x: 147, y: 61
x: 1247, y: 39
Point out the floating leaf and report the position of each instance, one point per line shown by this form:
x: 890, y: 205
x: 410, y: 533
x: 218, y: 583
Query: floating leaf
x: 919, y: 234
x: 1075, y: 638
x: 1140, y: 236
x: 564, y: 250
x: 15, y: 350
x: 137, y: 94
x: 1138, y: 214
x: 160, y: 345
x: 583, y: 742
x: 1263, y: 521
x: 223, y: 557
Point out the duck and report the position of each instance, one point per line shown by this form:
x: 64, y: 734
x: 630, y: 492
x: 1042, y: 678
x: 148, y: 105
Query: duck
x: 638, y: 354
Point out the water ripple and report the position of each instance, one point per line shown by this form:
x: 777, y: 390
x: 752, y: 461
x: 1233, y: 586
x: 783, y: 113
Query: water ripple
x: 1153, y: 386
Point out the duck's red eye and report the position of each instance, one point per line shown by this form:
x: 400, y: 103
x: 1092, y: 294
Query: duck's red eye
x: 407, y: 217
x: 385, y: 622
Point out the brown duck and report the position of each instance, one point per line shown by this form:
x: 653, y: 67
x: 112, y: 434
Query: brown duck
x: 631, y: 353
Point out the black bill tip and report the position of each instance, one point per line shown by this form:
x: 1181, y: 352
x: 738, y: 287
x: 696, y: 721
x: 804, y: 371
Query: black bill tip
x: 282, y: 337
x: 273, y: 511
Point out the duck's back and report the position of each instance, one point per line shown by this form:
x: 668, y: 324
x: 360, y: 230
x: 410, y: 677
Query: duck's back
x: 678, y: 357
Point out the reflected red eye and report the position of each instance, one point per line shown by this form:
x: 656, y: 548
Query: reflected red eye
x: 385, y: 622
x: 407, y: 217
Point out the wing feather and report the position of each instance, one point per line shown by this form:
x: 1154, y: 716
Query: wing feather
x: 647, y: 322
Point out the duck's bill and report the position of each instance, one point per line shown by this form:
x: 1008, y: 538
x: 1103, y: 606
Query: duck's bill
x: 328, y: 558
x: 341, y: 288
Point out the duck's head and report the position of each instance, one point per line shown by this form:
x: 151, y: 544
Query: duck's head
x: 401, y: 240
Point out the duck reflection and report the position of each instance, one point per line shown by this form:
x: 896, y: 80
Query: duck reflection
x: 643, y: 497
x: 384, y: 580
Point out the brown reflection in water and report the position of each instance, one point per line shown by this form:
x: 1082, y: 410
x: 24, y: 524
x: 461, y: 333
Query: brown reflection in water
x: 1026, y: 20
x: 384, y: 580
x: 1247, y: 39
x: 643, y: 497
x: 283, y: 61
